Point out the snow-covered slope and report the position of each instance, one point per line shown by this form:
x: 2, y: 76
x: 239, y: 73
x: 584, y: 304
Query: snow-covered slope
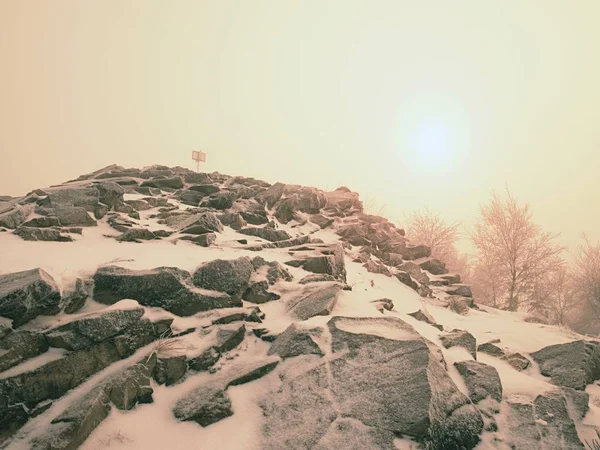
x: 156, y: 426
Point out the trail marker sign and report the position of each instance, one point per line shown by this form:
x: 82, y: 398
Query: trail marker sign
x: 198, y: 156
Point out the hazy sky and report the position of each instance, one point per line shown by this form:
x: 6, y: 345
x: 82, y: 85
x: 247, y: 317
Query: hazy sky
x: 415, y: 103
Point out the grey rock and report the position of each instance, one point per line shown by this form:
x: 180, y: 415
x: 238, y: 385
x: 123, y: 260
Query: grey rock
x: 169, y: 288
x: 268, y: 234
x: 76, y: 216
x: 460, y: 338
x: 229, y: 337
x: 136, y: 235
x: 433, y: 266
x: 347, y: 433
x: 203, y: 240
x: 25, y: 295
x: 14, y: 217
x: 205, y: 189
x: 490, y: 349
x: 406, y: 279
x: 424, y: 316
x: 460, y: 289
x: 74, y: 300
x: 286, y: 210
x: 138, y: 204
x: 204, y: 360
x: 258, y: 292
x: 233, y: 220
x: 42, y: 222
x: 414, y: 271
x: 517, y: 361
x: 110, y: 193
x: 575, y: 364
x: 415, y: 252
x: 320, y: 220
x: 316, y: 278
x: 201, y: 223
x: 219, y: 200
x: 20, y: 346
x: 296, y: 341
x: 229, y: 276
x: 481, y: 379
x: 164, y: 183
x: 170, y: 370
x: 452, y: 278
x: 328, y: 259
x: 41, y: 234
x: 316, y: 299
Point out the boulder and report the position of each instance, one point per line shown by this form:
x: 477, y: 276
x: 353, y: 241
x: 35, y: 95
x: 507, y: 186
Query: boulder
x: 229, y: 276
x: 411, y: 252
x: 203, y: 240
x: 110, y: 193
x: 136, y: 235
x: 491, y: 349
x: 42, y: 222
x: 93, y: 328
x: 139, y: 204
x: 271, y: 196
x: 433, y: 266
x: 372, y: 363
x: 316, y: 278
x: 266, y: 233
x: 460, y: 338
x: 169, y: 288
x: 20, y: 346
x: 286, y: 210
x: 424, y: 316
x: 452, y: 278
x: 377, y: 267
x: 164, y: 183
x: 204, y: 189
x: 28, y: 294
x: 76, y: 216
x: 15, y: 217
x: 85, y: 197
x: 170, y: 370
x: 257, y: 292
x: 320, y: 258
x: 197, y: 177
x: 229, y: 337
x: 220, y: 200
x: 462, y: 290
x: 406, y: 279
x: 201, y: 223
x: 41, y: 234
x: 481, y: 379
x: 517, y: 361
x: 295, y: 341
x: 191, y: 198
x: 320, y: 220
x: 233, y: 220
x: 317, y: 299
x: 575, y: 364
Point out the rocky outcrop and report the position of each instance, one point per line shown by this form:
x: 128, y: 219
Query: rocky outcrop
x: 169, y: 288
x: 28, y: 294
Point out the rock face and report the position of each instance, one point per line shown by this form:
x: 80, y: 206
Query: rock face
x: 314, y: 300
x: 481, y: 380
x: 229, y: 276
x: 25, y: 295
x: 575, y: 364
x: 41, y: 234
x: 382, y: 374
x: 165, y: 287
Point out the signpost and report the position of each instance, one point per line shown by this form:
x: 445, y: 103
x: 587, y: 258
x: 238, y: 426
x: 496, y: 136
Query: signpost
x: 198, y: 156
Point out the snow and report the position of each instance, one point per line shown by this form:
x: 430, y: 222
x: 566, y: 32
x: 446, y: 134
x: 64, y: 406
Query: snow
x: 134, y: 430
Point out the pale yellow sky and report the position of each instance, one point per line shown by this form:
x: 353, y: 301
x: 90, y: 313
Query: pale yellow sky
x: 429, y: 103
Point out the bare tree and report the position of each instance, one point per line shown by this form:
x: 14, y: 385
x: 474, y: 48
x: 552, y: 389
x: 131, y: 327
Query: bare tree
x: 505, y: 236
x: 425, y: 227
x: 554, y: 295
x: 487, y: 281
x: 587, y: 275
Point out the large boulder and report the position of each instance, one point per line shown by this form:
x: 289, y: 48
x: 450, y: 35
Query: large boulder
x: 424, y: 316
x: 381, y: 373
x: 575, y: 364
x: 85, y: 197
x: 481, y: 379
x: 415, y: 252
x: 414, y: 271
x: 110, y: 193
x: 76, y: 216
x: 28, y: 294
x: 315, y: 299
x: 169, y: 288
x: 229, y: 276
x: 14, y: 217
